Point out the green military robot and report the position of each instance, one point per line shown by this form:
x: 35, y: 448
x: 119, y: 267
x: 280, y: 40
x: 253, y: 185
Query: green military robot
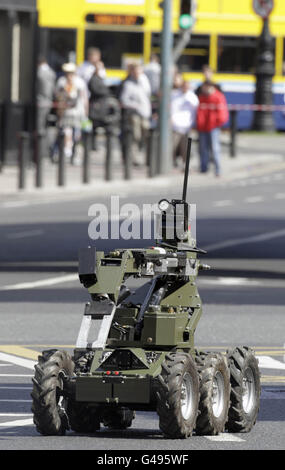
x: 135, y: 350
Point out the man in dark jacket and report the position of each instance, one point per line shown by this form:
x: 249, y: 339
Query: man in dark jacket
x: 104, y: 110
x: 98, y: 94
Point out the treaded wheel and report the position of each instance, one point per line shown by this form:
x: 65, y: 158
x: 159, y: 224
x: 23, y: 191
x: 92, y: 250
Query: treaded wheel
x: 245, y: 389
x: 119, y: 418
x: 49, y: 405
x: 214, y: 393
x: 82, y: 418
x: 178, y: 396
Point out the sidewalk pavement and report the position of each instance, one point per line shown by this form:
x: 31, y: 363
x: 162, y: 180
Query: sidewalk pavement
x: 257, y: 153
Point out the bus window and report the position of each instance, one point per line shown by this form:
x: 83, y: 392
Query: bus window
x: 195, y: 55
x: 117, y: 47
x: 237, y: 54
x: 61, y: 47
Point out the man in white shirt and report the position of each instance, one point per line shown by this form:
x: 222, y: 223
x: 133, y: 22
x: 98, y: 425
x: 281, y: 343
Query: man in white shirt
x: 135, y: 94
x: 136, y: 106
x: 184, y: 105
x: 46, y: 79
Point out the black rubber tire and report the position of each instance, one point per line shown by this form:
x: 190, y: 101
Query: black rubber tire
x: 214, y: 377
x: 119, y: 418
x: 177, y: 369
x: 82, y: 418
x: 243, y: 365
x: 50, y: 416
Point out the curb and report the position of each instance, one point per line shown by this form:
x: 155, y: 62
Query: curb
x: 144, y: 184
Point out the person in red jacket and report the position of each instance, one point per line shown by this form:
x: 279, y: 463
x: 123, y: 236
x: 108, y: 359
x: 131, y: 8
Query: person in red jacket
x: 212, y: 114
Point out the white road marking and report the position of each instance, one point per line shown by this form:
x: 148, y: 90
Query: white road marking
x: 42, y: 283
x: 241, y: 241
x: 26, y: 234
x: 267, y: 362
x: 253, y: 199
x: 253, y: 181
x: 7, y: 205
x: 17, y: 415
x: 225, y: 203
x: 16, y: 375
x: 225, y: 437
x: 17, y: 422
x: 231, y: 281
x: 280, y: 196
x: 19, y: 361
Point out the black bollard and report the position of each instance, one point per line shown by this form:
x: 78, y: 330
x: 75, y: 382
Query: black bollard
x: 1, y: 136
x: 233, y: 114
x: 109, y: 155
x: 61, y: 159
x: 38, y: 158
x: 86, y: 137
x: 22, y: 159
x: 127, y: 154
x: 152, y: 153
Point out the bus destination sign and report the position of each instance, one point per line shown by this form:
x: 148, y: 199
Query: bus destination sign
x: 117, y: 20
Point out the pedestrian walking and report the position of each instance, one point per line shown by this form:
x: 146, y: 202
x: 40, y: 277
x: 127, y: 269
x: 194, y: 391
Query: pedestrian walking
x: 72, y: 107
x: 184, y: 105
x: 104, y: 109
x: 212, y: 114
x: 88, y: 67
x: 208, y: 77
x: 46, y: 79
x: 136, y: 108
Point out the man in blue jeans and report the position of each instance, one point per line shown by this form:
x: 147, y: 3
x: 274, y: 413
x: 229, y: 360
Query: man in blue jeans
x: 209, y: 143
x: 211, y: 116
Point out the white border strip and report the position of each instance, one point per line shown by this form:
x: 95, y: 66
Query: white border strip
x: 18, y: 361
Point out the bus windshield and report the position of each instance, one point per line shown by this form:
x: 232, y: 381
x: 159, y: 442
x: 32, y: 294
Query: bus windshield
x: 117, y: 47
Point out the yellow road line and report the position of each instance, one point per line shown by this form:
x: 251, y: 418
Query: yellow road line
x: 272, y: 378
x: 19, y: 351
x: 25, y: 351
x: 40, y: 346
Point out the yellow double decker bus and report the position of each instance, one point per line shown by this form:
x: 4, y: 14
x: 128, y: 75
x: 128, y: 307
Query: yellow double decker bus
x: 121, y: 29
x: 225, y: 35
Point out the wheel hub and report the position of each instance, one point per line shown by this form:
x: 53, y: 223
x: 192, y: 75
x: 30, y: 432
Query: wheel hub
x: 218, y: 394
x: 186, y: 397
x: 248, y: 390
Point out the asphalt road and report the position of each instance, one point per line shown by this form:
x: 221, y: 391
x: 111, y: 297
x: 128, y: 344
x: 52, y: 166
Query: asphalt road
x: 240, y: 224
